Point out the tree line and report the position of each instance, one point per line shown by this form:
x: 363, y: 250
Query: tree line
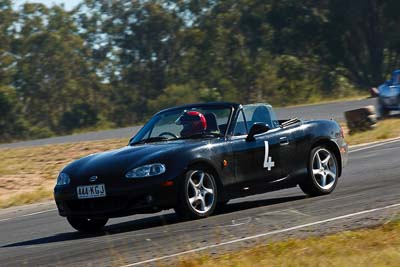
x: 113, y: 63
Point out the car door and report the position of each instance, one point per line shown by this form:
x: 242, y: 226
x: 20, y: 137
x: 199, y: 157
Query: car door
x: 274, y: 162
x: 263, y: 160
x: 256, y: 158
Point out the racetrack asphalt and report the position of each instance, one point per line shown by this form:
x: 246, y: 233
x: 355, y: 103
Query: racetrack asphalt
x: 367, y: 194
x: 319, y: 111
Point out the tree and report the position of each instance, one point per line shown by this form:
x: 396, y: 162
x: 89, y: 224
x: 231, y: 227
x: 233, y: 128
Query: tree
x: 363, y: 37
x: 53, y: 77
x: 12, y: 124
x: 173, y: 95
x: 113, y: 63
x: 140, y: 42
x: 7, y: 58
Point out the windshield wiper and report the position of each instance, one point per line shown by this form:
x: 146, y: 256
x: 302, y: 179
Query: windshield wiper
x: 150, y: 140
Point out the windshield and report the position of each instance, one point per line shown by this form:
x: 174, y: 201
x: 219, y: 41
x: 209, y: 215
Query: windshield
x: 396, y: 79
x: 184, y: 123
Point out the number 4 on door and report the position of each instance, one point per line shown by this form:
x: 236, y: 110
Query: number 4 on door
x: 268, y: 163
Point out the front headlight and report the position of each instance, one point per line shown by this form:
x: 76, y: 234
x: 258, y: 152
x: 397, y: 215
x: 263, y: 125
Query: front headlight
x: 63, y: 179
x: 146, y: 171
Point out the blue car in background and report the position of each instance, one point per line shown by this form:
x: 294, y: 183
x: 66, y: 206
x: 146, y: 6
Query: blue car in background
x: 389, y: 95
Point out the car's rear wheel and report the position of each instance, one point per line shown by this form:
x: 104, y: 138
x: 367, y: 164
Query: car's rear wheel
x: 198, y: 194
x: 87, y: 225
x: 322, y: 172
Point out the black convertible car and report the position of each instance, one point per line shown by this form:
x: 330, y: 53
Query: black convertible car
x: 195, y: 158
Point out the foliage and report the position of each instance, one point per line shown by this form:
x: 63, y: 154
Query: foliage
x: 173, y: 95
x: 11, y: 121
x: 52, y: 76
x: 113, y: 63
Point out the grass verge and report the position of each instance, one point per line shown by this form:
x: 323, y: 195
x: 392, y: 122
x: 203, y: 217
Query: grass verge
x: 367, y: 247
x: 389, y: 128
x: 26, y: 198
x: 27, y: 175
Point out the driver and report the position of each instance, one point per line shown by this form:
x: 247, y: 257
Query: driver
x: 193, y: 122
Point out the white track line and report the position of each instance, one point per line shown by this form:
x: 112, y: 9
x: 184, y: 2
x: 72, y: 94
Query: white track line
x: 380, y: 144
x: 375, y: 142
x: 27, y: 215
x: 262, y: 235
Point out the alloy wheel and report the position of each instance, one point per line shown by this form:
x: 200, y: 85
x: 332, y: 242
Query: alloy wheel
x: 324, y: 169
x: 201, y: 191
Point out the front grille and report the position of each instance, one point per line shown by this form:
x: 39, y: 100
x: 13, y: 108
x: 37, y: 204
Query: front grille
x: 103, y: 204
x: 390, y: 101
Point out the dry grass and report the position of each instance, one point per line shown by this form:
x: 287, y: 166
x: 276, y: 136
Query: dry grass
x: 385, y: 129
x: 28, y: 174
x: 27, y: 197
x: 367, y: 247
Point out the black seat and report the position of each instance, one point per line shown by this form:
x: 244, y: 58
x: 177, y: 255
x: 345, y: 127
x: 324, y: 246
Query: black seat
x: 261, y: 114
x: 212, y: 125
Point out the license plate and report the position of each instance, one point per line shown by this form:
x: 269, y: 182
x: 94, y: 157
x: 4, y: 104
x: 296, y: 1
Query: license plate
x: 91, y: 191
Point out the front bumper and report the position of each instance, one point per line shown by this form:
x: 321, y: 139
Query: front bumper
x: 119, y: 201
x: 390, y: 103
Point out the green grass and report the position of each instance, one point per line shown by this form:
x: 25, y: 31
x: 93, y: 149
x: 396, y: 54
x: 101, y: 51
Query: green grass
x: 367, y: 247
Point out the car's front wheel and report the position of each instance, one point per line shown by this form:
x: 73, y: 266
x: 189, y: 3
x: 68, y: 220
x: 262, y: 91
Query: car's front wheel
x: 198, y: 194
x: 382, y: 111
x: 322, y: 172
x: 87, y: 225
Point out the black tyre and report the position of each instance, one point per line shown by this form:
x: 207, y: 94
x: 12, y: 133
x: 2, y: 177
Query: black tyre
x: 87, y: 225
x: 322, y: 172
x: 198, y: 194
x: 383, y: 112
x: 221, y: 206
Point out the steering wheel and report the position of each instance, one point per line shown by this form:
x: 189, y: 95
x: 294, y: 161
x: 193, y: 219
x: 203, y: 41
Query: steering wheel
x: 168, y: 133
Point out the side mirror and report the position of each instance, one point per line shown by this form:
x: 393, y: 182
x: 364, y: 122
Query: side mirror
x: 257, y: 128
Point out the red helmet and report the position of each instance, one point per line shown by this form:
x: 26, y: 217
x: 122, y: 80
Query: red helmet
x: 193, y: 123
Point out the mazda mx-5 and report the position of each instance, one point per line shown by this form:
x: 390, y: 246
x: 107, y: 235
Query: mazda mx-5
x: 195, y: 158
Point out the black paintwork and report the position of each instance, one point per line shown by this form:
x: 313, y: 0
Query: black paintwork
x: 289, y: 148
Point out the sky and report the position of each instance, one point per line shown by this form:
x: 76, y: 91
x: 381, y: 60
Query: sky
x: 69, y: 4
